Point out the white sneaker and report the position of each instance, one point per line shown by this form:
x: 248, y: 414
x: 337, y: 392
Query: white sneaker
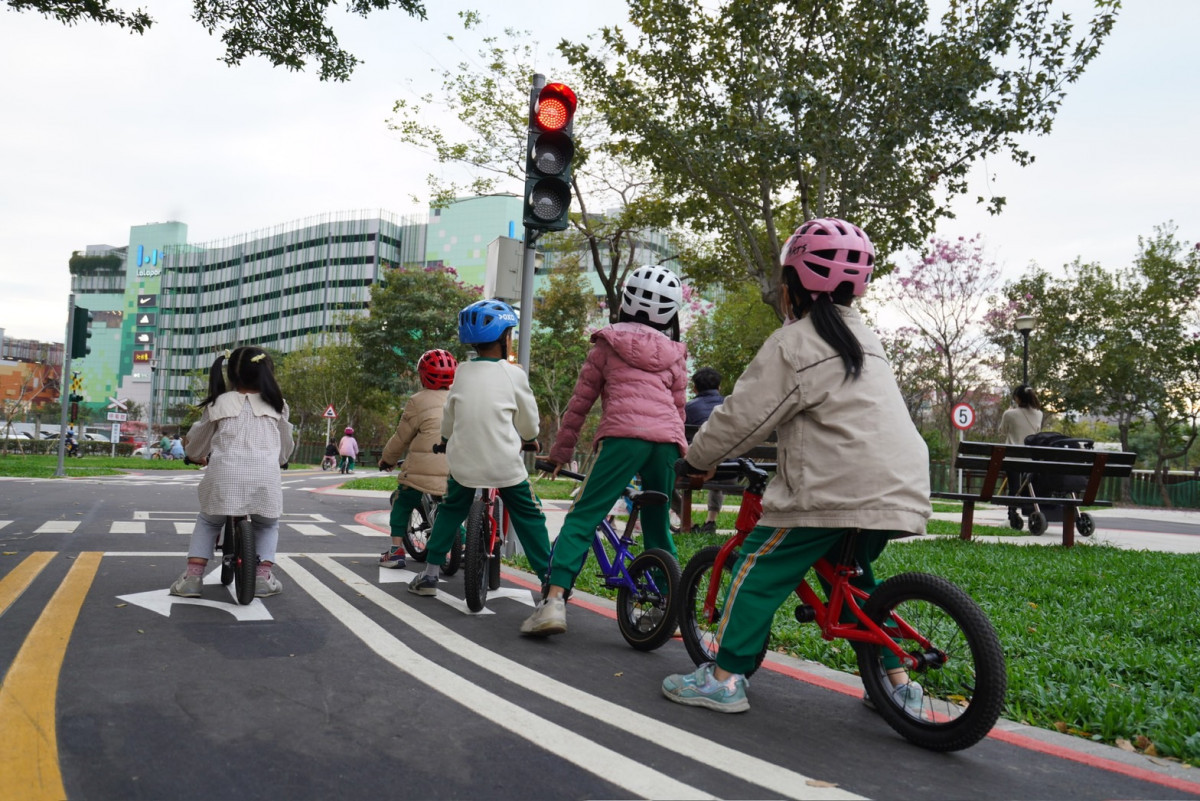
x: 550, y: 617
x: 187, y: 586
x: 266, y: 587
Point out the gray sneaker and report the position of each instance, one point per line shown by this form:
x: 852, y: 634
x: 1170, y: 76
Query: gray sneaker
x: 550, y: 617
x: 423, y: 585
x: 702, y: 688
x: 266, y: 587
x: 187, y: 586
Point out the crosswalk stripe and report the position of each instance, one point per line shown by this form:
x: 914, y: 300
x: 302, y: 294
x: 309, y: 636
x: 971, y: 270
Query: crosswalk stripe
x: 184, y: 528
x: 126, y: 527
x: 57, y: 527
x: 309, y: 530
x: 366, y: 531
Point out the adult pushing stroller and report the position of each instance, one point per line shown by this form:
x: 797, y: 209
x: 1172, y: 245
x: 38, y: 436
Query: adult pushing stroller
x: 1050, y: 485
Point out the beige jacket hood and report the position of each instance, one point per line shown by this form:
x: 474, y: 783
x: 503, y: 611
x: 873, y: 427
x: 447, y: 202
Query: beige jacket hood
x: 849, y: 454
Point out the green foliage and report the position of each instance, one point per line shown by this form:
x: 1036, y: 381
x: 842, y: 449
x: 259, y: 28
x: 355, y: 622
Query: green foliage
x: 413, y: 310
x: 285, y: 33
x: 559, y: 345
x: 756, y: 116
x: 315, y: 376
x: 729, y: 336
x: 79, y: 264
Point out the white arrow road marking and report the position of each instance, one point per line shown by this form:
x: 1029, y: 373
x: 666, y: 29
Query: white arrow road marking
x: 388, y: 575
x: 777, y: 779
x: 4, y: 523
x: 161, y: 601
x: 629, y: 774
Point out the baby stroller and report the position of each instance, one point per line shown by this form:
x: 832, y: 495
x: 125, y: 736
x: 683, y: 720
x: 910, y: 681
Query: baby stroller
x: 1051, y: 485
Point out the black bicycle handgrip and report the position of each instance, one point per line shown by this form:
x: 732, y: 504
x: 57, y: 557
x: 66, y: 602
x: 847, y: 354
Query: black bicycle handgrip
x: 547, y: 466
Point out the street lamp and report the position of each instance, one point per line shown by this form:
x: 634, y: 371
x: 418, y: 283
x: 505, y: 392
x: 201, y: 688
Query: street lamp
x: 1024, y: 324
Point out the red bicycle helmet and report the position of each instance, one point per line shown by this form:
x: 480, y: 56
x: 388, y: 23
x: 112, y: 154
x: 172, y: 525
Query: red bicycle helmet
x: 436, y: 369
x: 828, y: 252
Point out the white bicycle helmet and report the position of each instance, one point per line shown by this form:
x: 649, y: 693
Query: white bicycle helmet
x: 654, y: 291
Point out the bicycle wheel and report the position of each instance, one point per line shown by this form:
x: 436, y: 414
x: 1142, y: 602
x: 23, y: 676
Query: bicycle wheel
x: 246, y: 561
x: 228, y: 554
x: 700, y: 635
x: 416, y: 536
x: 962, y: 677
x: 475, y: 560
x: 645, y: 613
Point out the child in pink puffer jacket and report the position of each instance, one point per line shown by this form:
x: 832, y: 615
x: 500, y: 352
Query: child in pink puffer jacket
x: 638, y: 369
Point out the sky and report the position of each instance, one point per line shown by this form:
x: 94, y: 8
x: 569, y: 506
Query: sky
x: 101, y: 129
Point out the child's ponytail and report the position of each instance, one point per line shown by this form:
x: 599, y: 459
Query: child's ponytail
x: 827, y: 320
x: 249, y: 368
x: 216, y: 382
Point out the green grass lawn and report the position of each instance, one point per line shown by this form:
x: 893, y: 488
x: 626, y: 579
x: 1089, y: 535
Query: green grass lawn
x: 44, y: 466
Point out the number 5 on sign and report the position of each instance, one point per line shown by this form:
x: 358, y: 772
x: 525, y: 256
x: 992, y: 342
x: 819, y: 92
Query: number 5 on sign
x: 963, y: 416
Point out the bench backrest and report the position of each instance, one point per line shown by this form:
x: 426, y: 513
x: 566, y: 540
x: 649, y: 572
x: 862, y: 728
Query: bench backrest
x: 992, y: 459
x: 767, y: 450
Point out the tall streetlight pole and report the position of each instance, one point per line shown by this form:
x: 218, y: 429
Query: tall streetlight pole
x: 1024, y: 324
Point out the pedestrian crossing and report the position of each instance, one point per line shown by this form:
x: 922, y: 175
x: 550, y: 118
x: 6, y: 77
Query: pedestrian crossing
x: 174, y: 523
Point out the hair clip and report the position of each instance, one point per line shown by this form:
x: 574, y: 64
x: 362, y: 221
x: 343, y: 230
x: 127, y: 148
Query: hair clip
x: 226, y: 353
x: 258, y: 358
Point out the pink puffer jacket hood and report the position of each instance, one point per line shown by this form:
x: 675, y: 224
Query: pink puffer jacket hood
x: 640, y: 376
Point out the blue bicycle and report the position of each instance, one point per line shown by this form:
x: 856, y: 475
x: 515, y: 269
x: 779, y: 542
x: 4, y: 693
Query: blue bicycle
x: 645, y: 583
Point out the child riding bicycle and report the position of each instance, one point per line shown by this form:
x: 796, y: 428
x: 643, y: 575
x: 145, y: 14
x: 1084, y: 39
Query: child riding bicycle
x: 823, y: 383
x: 638, y: 368
x: 490, y: 410
x: 244, y: 437
x: 420, y: 429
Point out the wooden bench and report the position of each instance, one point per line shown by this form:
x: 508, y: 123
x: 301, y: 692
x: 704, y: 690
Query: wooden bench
x: 991, y: 461
x: 765, y: 452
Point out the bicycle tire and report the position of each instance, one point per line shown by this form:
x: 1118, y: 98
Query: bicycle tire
x: 228, y: 555
x: 455, y: 556
x: 475, y: 560
x: 416, y: 535
x: 246, y: 561
x: 964, y: 680
x: 699, y: 636
x: 646, y: 615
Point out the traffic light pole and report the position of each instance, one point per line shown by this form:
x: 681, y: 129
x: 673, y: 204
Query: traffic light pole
x: 525, y: 332
x: 59, y: 472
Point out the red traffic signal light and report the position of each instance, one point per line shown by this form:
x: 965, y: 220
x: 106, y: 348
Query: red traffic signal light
x: 550, y: 151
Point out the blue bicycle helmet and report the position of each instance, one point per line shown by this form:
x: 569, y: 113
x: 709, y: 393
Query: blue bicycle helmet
x: 485, y: 321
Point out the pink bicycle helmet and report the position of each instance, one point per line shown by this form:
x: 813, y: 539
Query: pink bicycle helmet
x: 349, y: 431
x: 828, y: 252
x: 436, y: 369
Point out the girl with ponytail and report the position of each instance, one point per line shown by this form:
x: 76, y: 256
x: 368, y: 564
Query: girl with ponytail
x: 849, y: 456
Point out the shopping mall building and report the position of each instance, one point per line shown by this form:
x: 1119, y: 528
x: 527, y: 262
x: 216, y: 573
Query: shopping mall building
x: 163, y: 307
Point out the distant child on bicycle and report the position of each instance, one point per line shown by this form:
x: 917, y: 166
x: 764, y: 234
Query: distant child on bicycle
x: 348, y: 448
x: 331, y: 455
x: 243, y: 436
x: 849, y: 454
x: 490, y: 411
x: 419, y: 430
x: 637, y: 367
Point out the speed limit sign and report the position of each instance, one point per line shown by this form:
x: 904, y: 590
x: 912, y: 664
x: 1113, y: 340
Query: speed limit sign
x: 963, y: 416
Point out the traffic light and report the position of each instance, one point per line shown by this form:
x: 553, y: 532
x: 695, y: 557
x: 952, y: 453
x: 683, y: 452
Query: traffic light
x: 548, y: 158
x: 81, y: 321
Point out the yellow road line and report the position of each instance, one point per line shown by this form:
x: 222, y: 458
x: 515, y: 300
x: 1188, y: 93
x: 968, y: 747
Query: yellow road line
x: 29, y: 759
x: 21, y: 576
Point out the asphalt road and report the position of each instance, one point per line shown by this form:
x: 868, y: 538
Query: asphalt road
x: 347, y: 686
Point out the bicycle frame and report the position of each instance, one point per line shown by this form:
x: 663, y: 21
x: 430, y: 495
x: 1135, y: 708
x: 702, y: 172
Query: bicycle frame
x: 497, y: 523
x: 615, y: 571
x: 842, y: 594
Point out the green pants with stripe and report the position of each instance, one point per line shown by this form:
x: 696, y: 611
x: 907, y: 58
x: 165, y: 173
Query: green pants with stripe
x: 523, y: 510
x: 773, y: 562
x: 618, y: 460
x: 407, y: 500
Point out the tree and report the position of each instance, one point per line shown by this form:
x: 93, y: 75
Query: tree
x: 728, y: 336
x: 943, y: 296
x: 757, y: 116
x: 412, y: 310
x: 560, y: 344
x: 315, y: 377
x: 615, y: 197
x: 288, y: 34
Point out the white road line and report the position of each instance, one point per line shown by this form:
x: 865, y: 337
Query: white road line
x: 4, y: 523
x: 126, y: 527
x: 57, y: 527
x: 309, y: 530
x: 765, y: 774
x: 366, y: 531
x: 609, y: 765
x: 185, y: 528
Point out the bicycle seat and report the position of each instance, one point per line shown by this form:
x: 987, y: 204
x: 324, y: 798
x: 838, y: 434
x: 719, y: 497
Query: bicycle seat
x: 647, y: 497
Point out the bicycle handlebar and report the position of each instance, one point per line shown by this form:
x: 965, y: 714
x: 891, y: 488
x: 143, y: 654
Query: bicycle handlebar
x: 547, y: 466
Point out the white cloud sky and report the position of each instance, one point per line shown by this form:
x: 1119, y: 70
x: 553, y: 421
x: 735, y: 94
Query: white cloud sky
x: 102, y: 130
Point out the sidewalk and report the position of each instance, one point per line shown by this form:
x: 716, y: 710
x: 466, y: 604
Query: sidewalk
x: 1108, y: 525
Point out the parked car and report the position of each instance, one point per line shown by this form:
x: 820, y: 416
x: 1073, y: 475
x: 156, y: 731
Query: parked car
x: 152, y: 452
